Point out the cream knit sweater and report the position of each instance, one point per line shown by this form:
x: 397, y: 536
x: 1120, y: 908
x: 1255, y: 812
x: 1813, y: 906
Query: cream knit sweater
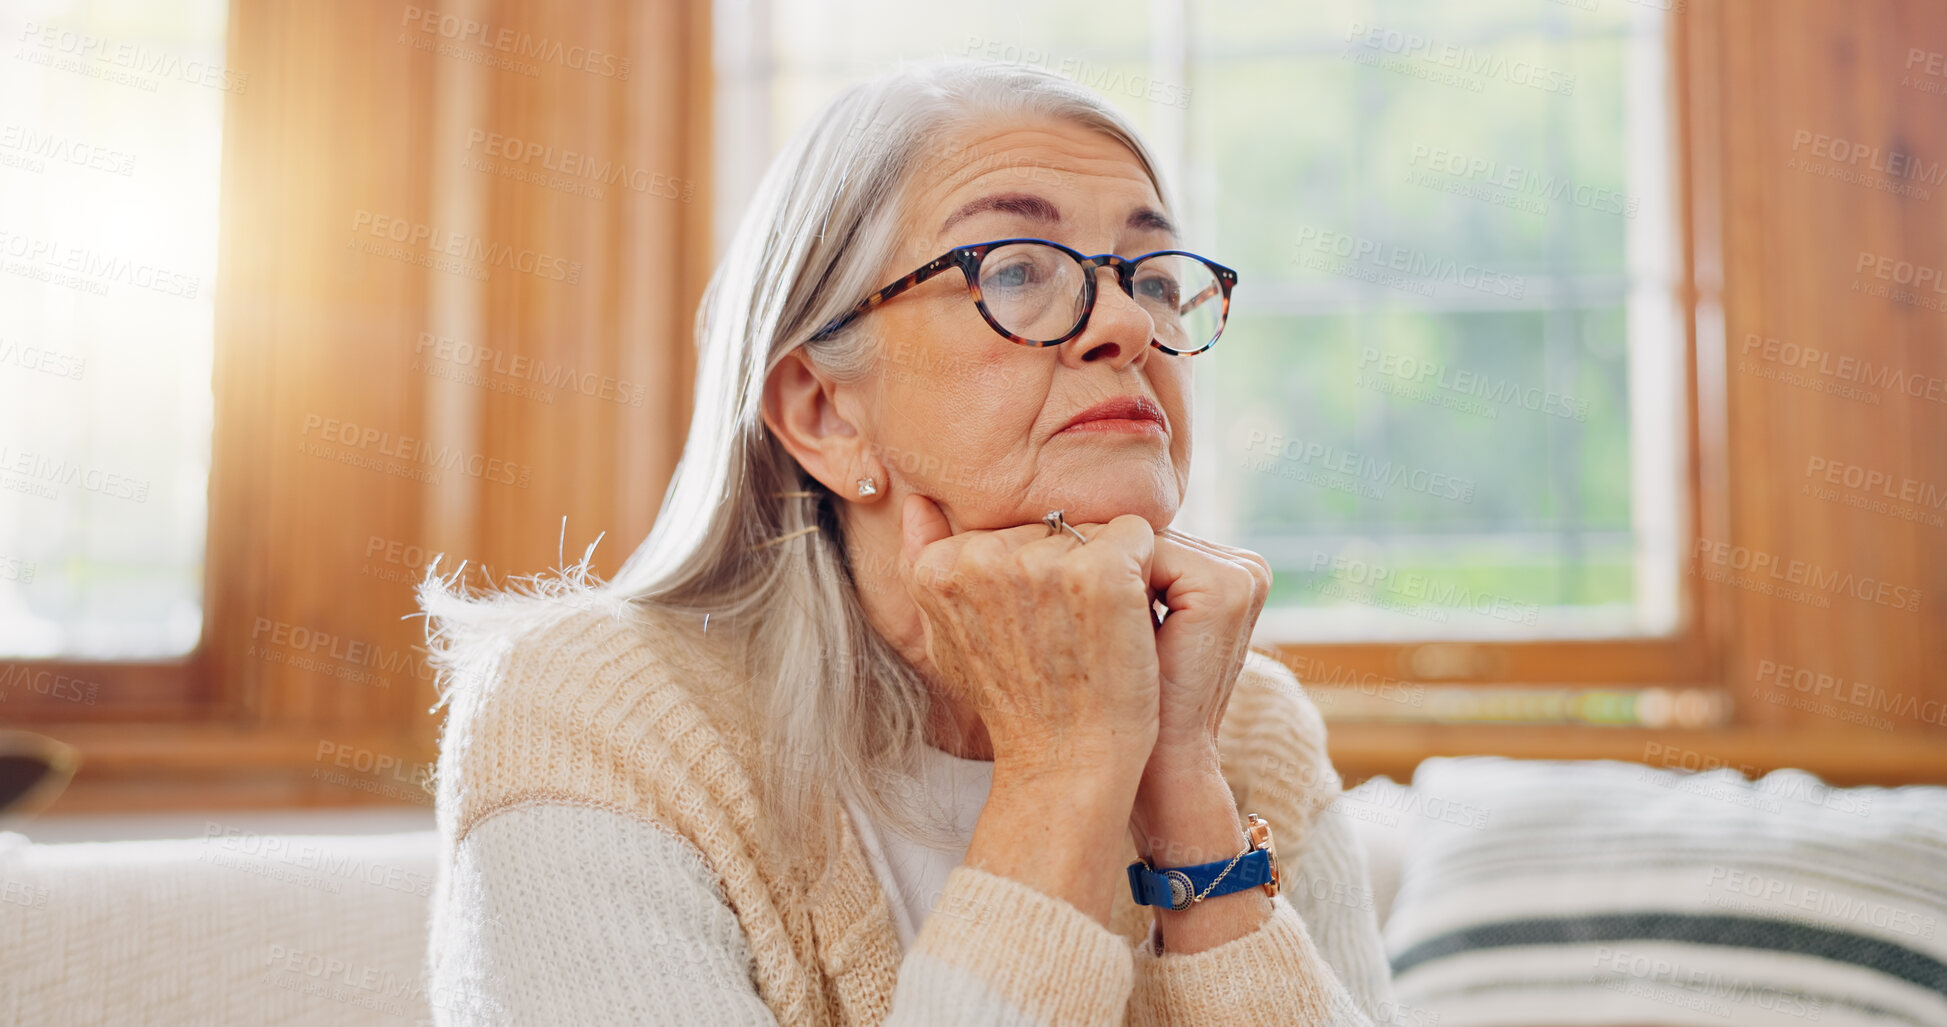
x: 598, y: 866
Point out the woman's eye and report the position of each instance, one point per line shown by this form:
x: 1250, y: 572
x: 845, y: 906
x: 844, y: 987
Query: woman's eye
x: 1160, y: 288
x: 1017, y: 275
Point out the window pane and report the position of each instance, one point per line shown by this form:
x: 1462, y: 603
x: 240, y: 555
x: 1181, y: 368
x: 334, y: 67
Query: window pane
x: 110, y: 122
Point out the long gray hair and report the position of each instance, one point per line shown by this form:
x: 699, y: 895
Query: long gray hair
x: 835, y: 708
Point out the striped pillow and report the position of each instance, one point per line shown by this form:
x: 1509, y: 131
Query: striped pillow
x: 1616, y: 893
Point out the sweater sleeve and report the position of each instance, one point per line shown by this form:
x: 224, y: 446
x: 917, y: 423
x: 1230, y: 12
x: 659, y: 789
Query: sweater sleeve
x: 1272, y: 977
x: 555, y: 913
x: 997, y: 952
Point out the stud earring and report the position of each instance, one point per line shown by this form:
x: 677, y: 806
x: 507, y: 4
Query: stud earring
x: 868, y: 487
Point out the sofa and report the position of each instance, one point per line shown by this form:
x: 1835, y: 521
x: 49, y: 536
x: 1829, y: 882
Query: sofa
x: 1510, y: 892
x: 232, y: 927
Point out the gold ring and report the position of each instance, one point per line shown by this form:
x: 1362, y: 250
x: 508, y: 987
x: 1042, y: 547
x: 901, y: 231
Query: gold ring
x: 1055, y: 524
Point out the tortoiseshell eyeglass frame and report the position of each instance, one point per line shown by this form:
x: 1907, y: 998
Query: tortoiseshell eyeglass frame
x: 968, y: 258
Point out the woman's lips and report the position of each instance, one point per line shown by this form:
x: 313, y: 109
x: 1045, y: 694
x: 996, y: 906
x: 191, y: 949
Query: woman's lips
x: 1116, y: 426
x: 1129, y: 415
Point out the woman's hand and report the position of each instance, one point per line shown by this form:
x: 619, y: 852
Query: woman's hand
x: 1214, y: 594
x: 1051, y: 641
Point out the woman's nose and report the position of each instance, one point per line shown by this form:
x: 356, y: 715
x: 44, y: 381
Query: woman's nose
x: 1119, y: 329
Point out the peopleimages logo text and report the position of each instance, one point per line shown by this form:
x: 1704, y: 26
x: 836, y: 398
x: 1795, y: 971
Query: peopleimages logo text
x: 575, y: 165
x: 1524, y: 181
x: 1809, y: 575
x: 417, y: 454
x: 1462, y: 382
x: 516, y: 43
x: 466, y: 247
x: 1851, y: 369
x: 1413, y: 266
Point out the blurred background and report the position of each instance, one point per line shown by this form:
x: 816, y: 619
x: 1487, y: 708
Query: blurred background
x: 1586, y: 384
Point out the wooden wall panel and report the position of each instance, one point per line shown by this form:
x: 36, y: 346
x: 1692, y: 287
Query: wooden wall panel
x: 1834, y: 155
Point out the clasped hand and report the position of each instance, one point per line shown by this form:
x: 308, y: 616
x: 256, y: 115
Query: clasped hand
x: 1057, y: 645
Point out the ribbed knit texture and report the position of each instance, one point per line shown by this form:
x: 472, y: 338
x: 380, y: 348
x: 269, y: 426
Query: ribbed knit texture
x: 596, y: 714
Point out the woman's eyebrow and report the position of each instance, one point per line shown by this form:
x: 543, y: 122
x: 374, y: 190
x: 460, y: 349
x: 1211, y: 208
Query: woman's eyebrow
x: 1026, y: 205
x: 1034, y: 208
x: 1150, y: 219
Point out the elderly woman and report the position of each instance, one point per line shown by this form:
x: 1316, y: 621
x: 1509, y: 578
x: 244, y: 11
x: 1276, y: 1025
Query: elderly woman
x: 912, y: 708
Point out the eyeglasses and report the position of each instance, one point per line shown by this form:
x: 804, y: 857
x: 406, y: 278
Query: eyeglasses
x: 1040, y: 293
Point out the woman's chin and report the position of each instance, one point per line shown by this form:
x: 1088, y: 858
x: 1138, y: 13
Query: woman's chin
x: 1158, y: 510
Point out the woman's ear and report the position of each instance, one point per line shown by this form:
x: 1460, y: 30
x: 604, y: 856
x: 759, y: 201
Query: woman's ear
x: 801, y: 407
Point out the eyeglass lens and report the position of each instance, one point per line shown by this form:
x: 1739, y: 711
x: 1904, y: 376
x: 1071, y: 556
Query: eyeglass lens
x: 1036, y: 292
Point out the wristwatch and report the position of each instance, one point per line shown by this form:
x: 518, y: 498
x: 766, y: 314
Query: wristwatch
x: 1180, y: 887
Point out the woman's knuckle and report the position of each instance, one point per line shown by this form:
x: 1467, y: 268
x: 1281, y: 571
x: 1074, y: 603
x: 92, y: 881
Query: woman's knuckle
x: 943, y: 581
x: 1255, y: 583
x: 1081, y: 580
x: 1037, y: 561
x: 1230, y: 578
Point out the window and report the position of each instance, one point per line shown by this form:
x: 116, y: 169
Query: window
x: 1451, y: 400
x: 1451, y: 406
x: 110, y: 132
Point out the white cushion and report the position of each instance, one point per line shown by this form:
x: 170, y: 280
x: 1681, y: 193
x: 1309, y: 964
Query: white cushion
x: 230, y: 928
x: 1380, y: 813
x: 1614, y: 893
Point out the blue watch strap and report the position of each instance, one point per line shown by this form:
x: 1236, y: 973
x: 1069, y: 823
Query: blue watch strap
x: 1175, y: 887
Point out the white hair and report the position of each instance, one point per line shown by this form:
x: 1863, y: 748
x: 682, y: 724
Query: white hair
x: 835, y: 708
